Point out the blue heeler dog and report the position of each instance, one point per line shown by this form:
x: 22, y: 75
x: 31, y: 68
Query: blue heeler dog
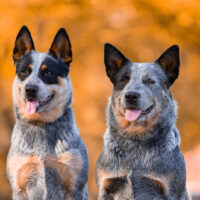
x: 47, y: 159
x: 141, y: 159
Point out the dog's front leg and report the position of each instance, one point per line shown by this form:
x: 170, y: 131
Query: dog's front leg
x: 62, y: 176
x: 17, y: 196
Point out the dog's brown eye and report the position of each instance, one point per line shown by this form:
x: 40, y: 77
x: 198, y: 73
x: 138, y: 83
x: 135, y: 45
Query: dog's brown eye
x: 25, y: 72
x: 149, y: 81
x: 124, y: 80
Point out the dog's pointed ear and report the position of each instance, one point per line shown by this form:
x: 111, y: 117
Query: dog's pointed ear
x: 61, y: 47
x: 169, y: 61
x: 114, y: 60
x: 23, y: 43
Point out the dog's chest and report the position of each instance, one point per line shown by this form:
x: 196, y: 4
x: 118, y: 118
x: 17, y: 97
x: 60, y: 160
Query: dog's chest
x: 29, y: 168
x: 140, y: 158
x: 132, y: 156
x: 43, y: 156
x: 39, y: 141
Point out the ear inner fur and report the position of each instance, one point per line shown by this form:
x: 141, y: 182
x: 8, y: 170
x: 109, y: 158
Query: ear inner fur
x: 61, y: 47
x: 114, y: 60
x: 169, y: 61
x: 23, y: 43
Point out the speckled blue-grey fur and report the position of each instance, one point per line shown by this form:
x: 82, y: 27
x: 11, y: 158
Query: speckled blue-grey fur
x: 151, y: 160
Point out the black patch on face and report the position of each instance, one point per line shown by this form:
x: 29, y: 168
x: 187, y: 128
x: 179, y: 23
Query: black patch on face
x: 22, y: 69
x: 122, y: 78
x: 54, y: 69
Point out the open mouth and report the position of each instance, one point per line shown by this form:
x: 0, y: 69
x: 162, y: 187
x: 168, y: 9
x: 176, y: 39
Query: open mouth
x: 134, y: 114
x: 33, y: 106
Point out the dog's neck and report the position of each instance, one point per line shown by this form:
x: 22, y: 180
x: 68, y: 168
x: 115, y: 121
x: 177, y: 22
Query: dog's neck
x: 46, y: 138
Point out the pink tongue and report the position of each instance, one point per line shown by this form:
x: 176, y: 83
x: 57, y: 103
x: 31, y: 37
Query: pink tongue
x: 132, y: 115
x: 31, y: 107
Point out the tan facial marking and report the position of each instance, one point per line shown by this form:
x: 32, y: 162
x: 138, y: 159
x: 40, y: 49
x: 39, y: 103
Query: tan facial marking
x: 30, y: 66
x: 44, y: 67
x: 60, y: 82
x: 17, y: 89
x: 120, y: 115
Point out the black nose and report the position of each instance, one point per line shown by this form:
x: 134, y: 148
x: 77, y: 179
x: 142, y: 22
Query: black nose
x: 132, y: 96
x: 31, y: 90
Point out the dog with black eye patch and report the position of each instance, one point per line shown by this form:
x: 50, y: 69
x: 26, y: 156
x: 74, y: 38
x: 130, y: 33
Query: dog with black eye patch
x: 47, y: 159
x: 141, y: 159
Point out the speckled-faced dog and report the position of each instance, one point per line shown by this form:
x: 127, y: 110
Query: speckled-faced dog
x: 141, y: 158
x: 47, y: 159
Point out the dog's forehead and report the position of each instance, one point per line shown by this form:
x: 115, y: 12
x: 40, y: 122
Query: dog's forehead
x: 143, y: 69
x: 38, y: 58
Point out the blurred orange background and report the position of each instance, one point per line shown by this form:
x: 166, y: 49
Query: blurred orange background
x: 141, y: 29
